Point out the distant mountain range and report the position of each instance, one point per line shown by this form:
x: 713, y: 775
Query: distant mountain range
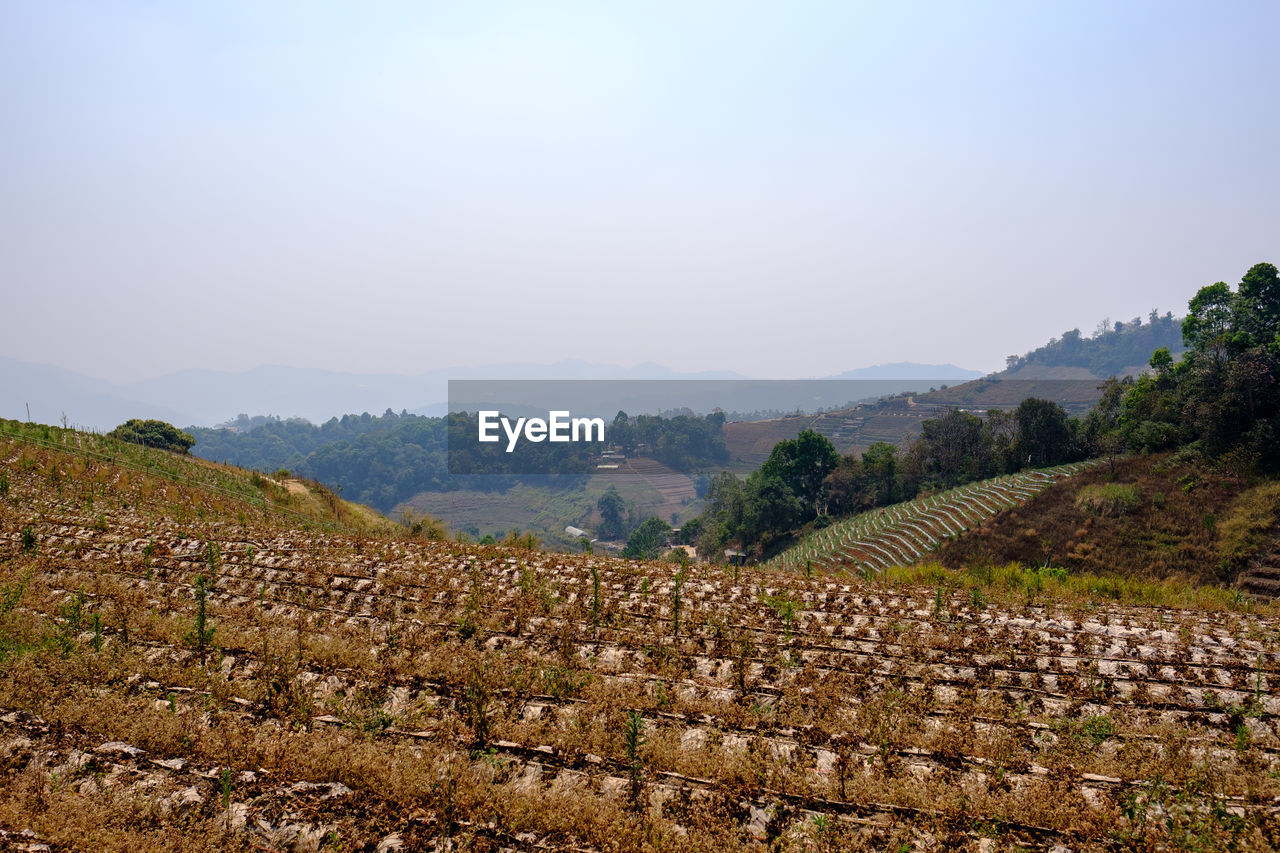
x: 911, y: 370
x: 209, y: 397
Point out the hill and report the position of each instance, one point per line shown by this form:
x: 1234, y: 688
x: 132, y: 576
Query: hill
x: 190, y: 669
x: 186, y: 485
x: 902, y: 534
x: 208, y: 397
x: 911, y: 370
x: 1147, y: 516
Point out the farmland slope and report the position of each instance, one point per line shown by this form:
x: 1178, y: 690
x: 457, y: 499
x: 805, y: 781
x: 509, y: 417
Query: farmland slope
x: 189, y: 672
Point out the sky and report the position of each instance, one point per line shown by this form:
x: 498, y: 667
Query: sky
x: 780, y: 189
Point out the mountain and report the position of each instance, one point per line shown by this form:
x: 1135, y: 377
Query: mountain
x: 207, y: 397
x: 46, y: 394
x: 911, y: 370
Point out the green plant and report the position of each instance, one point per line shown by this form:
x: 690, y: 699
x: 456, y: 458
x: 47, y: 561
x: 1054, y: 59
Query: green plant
x: 72, y: 621
x: 153, y: 433
x: 595, y: 595
x: 1098, y: 729
x: 226, y: 783
x: 201, y: 634
x: 474, y: 703
x: 4, y: 484
x: 786, y: 607
x: 1108, y: 499
x: 633, y: 741
x: 28, y: 539
x: 676, y: 587
x: 1243, y: 738
x: 95, y: 625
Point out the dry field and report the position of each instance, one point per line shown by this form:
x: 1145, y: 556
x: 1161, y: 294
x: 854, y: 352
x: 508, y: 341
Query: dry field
x: 182, y: 674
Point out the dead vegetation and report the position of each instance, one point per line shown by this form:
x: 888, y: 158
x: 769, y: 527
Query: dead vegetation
x: 348, y: 691
x: 1143, y: 517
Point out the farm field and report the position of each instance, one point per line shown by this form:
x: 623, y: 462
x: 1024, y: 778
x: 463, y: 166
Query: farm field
x: 645, y: 484
x: 905, y: 533
x: 185, y: 669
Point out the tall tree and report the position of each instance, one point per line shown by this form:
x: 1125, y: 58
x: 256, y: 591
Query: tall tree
x: 801, y: 464
x: 611, y: 506
x: 1044, y: 438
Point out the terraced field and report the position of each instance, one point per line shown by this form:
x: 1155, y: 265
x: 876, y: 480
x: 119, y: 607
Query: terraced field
x: 181, y: 680
x: 904, y: 533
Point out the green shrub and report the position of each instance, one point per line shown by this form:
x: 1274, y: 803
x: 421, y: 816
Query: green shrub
x: 1247, y: 525
x: 1109, y: 499
x: 153, y: 433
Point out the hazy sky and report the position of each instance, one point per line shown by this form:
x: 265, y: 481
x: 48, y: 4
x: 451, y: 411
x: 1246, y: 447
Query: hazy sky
x: 784, y: 189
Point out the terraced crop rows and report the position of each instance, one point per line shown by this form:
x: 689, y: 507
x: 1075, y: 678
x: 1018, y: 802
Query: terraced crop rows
x: 904, y: 533
x: 381, y: 687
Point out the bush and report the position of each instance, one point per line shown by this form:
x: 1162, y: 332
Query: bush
x: 1110, y: 499
x: 1249, y: 525
x: 153, y: 433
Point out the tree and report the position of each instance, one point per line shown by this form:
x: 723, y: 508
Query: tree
x: 1044, y: 438
x: 770, y: 511
x: 611, y: 507
x: 801, y: 464
x: 648, y: 541
x: 1258, y: 306
x: 880, y: 461
x: 153, y: 433
x: 953, y: 449
x: 1209, y: 321
x: 846, y: 489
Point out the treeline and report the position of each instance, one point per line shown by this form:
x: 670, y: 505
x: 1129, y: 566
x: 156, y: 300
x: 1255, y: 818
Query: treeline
x: 686, y: 442
x: 383, y: 461
x: 1112, y: 348
x: 377, y: 461
x: 806, y: 484
x: 1222, y: 399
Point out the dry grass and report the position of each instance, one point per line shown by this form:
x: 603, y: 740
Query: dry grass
x: 1150, y: 517
x: 360, y: 687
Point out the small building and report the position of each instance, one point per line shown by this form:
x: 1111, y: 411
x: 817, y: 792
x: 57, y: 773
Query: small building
x: 734, y: 557
x: 575, y: 532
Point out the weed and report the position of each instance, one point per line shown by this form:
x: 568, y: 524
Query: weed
x: 72, y: 622
x: 226, y: 783
x: 676, y: 587
x: 786, y: 607
x: 28, y: 540
x: 201, y: 634
x: 633, y: 741
x: 474, y: 704
x: 595, y: 596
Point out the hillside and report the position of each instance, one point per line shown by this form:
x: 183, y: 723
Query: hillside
x: 648, y: 487
x: 906, y: 533
x: 1152, y: 516
x: 185, y: 485
x: 338, y: 690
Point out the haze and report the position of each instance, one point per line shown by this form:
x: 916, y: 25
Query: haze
x: 782, y: 190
